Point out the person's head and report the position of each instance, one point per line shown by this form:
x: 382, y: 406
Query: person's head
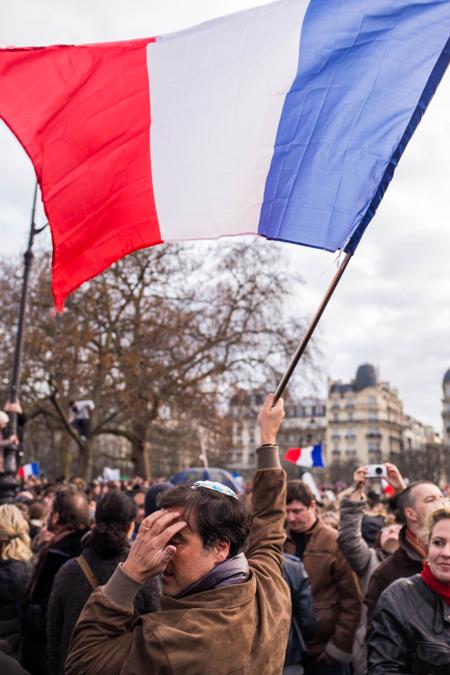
x: 151, y: 496
x: 114, y: 522
x: 331, y: 518
x: 48, y: 497
x: 300, y: 507
x: 139, y: 499
x: 388, y: 538
x: 14, y: 534
x: 217, y: 528
x: 94, y: 489
x: 36, y: 513
x: 70, y: 510
x: 438, y: 534
x: 416, y: 502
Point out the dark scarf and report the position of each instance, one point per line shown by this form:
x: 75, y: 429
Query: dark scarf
x: 300, y: 539
x: 437, y: 586
x: 232, y: 571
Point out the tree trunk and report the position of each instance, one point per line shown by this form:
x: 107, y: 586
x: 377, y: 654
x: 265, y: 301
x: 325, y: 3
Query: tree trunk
x: 147, y: 461
x: 86, y: 461
x: 64, y: 454
x: 141, y: 458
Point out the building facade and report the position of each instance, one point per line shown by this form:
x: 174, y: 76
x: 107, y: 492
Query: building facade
x: 361, y: 422
x: 304, y: 424
x: 365, y: 419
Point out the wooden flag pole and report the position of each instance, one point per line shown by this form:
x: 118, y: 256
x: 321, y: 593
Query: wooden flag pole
x: 311, y: 328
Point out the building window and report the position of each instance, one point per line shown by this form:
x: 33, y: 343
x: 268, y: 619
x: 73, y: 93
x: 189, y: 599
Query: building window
x: 375, y: 457
x: 372, y: 415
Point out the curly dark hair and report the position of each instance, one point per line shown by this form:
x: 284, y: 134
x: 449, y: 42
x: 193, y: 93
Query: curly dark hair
x: 113, y: 516
x: 216, y: 516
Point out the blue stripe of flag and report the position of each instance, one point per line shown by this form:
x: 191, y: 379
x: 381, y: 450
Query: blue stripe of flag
x: 366, y: 73
x: 316, y: 455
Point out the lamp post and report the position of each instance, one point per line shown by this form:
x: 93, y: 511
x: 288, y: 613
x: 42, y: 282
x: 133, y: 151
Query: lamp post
x: 8, y: 467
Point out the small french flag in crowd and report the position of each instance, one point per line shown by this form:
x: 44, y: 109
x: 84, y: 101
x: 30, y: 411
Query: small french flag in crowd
x: 27, y: 470
x: 310, y: 456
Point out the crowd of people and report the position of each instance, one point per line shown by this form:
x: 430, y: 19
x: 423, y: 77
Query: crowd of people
x: 137, y: 578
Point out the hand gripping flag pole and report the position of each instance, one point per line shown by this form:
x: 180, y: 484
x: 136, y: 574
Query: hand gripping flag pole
x: 311, y: 328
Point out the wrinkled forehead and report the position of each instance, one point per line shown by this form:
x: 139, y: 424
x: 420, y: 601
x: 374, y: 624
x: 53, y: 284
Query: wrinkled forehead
x: 425, y: 492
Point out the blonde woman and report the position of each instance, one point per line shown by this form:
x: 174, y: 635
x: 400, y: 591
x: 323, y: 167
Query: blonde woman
x: 16, y: 568
x: 411, y: 624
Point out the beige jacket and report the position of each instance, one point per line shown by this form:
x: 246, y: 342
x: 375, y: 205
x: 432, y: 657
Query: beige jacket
x: 240, y: 629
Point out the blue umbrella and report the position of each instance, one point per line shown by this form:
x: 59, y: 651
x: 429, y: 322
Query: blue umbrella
x: 201, y: 473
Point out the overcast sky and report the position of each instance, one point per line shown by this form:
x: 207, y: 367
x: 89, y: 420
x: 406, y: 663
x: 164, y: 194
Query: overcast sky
x: 392, y: 308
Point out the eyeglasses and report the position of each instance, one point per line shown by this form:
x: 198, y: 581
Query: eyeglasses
x: 212, y: 485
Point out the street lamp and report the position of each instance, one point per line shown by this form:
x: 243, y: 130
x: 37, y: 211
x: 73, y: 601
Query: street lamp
x: 8, y: 468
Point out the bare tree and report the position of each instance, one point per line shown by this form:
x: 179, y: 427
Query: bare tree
x: 158, y: 342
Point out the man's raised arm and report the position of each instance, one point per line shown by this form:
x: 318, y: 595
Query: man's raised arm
x: 267, y: 533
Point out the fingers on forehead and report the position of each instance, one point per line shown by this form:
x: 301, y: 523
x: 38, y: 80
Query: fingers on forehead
x: 161, y: 517
x: 170, y: 531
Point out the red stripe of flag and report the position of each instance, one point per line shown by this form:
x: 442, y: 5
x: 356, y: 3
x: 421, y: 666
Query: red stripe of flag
x: 83, y: 116
x: 292, y: 455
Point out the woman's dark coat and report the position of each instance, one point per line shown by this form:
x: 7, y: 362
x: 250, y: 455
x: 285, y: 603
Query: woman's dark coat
x: 70, y: 591
x: 410, y: 631
x: 15, y: 577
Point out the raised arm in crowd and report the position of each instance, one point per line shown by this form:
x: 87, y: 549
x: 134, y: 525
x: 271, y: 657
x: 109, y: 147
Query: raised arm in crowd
x: 222, y: 610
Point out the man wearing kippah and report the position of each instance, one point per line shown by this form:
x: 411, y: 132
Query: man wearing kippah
x: 223, y: 610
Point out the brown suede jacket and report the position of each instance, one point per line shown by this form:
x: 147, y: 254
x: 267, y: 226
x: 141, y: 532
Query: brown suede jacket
x: 336, y: 593
x: 240, y: 629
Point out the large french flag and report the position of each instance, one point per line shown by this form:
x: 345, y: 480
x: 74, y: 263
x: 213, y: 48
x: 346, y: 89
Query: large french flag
x: 285, y: 121
x: 310, y: 457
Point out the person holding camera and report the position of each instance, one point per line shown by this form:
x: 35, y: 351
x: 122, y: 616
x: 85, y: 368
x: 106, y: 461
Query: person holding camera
x: 361, y: 557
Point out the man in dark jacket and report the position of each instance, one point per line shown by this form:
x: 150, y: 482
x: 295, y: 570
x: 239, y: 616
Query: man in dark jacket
x: 335, y: 589
x: 413, y: 504
x: 68, y: 522
x: 304, y: 621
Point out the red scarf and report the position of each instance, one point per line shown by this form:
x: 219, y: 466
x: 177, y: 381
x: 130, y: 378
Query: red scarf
x: 437, y: 586
x: 415, y: 543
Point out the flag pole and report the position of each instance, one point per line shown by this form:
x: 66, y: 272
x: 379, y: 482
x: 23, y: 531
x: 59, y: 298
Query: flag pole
x: 311, y: 328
